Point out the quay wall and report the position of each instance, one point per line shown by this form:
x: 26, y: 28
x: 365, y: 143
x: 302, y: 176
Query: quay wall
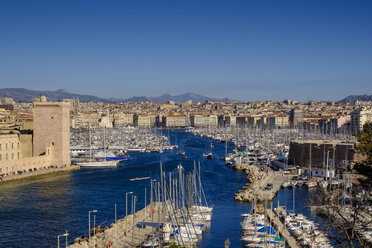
x: 39, y: 172
x: 258, y: 181
x: 28, y: 164
x: 299, y: 152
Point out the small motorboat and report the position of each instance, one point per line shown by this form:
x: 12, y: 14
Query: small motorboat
x: 139, y: 178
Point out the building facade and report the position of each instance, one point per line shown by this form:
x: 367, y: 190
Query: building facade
x: 142, y: 121
x: 360, y: 117
x: 52, y: 129
x: 48, y: 146
x: 296, y: 117
x: 174, y: 121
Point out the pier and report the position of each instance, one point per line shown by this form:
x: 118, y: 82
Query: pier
x: 291, y: 242
x: 256, y: 189
x: 126, y: 232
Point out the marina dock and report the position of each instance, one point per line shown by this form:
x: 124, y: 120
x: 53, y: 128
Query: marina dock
x: 291, y: 242
x: 257, y: 189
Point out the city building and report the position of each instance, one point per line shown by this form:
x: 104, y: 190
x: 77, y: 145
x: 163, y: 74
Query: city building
x: 204, y: 121
x: 280, y: 121
x: 6, y: 101
x: 174, y: 121
x: 339, y: 151
x: 360, y: 117
x: 52, y: 129
x: 105, y: 122
x: 48, y: 146
x: 296, y: 117
x: 142, y: 120
x: 230, y: 120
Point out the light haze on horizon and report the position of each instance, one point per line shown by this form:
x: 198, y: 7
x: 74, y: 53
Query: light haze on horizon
x: 243, y: 50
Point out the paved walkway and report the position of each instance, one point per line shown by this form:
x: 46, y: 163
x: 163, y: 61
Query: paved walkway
x: 282, y: 229
x: 276, y: 179
x: 122, y: 233
x: 38, y: 173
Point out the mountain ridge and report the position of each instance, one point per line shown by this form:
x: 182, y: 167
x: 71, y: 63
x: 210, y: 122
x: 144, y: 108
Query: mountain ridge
x: 26, y: 95
x: 354, y: 98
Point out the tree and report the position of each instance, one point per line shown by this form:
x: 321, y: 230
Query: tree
x: 364, y: 148
x: 344, y: 208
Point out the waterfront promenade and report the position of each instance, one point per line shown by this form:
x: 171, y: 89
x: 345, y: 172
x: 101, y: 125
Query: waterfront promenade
x: 38, y: 173
x: 291, y: 242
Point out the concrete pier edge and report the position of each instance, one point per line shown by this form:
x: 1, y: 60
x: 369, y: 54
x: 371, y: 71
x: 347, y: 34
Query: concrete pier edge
x: 38, y: 173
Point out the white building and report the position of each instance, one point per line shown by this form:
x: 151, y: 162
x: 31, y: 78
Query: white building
x: 358, y: 118
x: 177, y: 121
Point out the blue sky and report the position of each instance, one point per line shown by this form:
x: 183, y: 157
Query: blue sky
x: 244, y: 50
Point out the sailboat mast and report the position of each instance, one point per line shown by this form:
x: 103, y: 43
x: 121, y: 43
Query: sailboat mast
x: 104, y: 141
x: 294, y: 199
x: 225, y: 150
x: 310, y: 163
x: 327, y: 167
x: 90, y: 141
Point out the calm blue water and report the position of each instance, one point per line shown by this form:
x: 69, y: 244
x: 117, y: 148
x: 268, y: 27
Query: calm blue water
x: 34, y: 211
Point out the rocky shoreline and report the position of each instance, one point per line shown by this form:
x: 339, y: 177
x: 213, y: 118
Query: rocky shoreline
x: 251, y: 190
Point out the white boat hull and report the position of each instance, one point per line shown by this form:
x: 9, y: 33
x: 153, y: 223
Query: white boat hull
x: 98, y: 164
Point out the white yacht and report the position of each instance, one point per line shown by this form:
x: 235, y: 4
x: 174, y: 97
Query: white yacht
x: 96, y: 164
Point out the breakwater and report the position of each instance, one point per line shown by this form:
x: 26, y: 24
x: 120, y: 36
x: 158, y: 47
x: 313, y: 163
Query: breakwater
x: 257, y: 186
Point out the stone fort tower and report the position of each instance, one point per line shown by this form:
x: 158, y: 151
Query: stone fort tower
x: 52, y: 129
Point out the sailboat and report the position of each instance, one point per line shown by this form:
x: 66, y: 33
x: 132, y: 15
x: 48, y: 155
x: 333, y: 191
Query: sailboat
x: 181, y: 151
x: 97, y: 164
x: 209, y: 155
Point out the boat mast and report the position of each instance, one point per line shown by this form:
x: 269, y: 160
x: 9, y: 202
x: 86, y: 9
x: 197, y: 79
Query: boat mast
x: 104, y: 142
x: 90, y: 142
x: 310, y: 163
x: 294, y: 199
x: 225, y: 149
x: 327, y: 170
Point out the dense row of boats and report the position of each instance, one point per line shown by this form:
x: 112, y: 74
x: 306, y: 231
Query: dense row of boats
x: 106, y: 148
x: 305, y: 231
x: 257, y: 232
x: 186, y: 214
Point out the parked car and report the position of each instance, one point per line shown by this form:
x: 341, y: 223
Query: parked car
x: 269, y: 186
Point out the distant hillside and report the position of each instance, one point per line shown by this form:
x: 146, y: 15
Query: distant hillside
x: 25, y: 95
x: 179, y: 98
x: 354, y: 98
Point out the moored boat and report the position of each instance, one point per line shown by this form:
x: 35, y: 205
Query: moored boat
x: 97, y: 164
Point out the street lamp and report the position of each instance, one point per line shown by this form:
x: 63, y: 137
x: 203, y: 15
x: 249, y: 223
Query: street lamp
x: 126, y: 210
x: 66, y: 234
x: 93, y: 211
x: 134, y: 212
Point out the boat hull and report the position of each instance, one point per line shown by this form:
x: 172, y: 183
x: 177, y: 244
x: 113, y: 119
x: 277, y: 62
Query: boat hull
x: 98, y: 164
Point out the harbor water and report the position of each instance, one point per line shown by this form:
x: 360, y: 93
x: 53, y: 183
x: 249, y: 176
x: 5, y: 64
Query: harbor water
x: 34, y: 211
